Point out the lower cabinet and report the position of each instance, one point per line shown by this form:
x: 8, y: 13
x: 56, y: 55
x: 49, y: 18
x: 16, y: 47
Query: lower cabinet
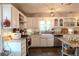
x: 23, y: 47
x: 35, y: 41
x: 50, y: 42
x: 38, y: 41
x: 43, y: 42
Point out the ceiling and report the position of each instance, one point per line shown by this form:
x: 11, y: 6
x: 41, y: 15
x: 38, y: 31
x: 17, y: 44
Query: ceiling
x: 44, y: 9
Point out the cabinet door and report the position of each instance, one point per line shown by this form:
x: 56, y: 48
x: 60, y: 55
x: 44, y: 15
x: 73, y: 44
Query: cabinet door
x: 50, y: 42
x: 23, y: 47
x: 6, y: 15
x: 43, y: 42
x: 35, y: 41
x: 25, y: 24
x: 29, y: 23
x: 35, y: 23
x: 15, y: 17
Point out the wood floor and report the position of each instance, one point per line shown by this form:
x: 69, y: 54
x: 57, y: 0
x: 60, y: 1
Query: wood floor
x: 44, y: 51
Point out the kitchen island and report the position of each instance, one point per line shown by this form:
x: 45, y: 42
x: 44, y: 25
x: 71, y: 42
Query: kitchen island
x: 15, y: 47
x: 70, y: 47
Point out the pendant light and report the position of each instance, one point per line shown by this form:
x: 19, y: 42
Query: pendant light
x: 51, y: 13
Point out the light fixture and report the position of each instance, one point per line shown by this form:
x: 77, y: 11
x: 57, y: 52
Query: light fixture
x: 51, y: 13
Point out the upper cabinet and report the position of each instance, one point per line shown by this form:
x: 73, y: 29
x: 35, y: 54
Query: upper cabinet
x: 22, y: 21
x: 15, y: 17
x: 56, y: 22
x: 6, y: 15
x: 61, y: 22
x: 66, y: 22
x: 69, y: 22
x: 77, y: 22
x: 12, y: 17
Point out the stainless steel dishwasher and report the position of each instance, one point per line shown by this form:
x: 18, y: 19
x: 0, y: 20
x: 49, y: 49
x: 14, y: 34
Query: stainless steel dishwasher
x: 57, y: 42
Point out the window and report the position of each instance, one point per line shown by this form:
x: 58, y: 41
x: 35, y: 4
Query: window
x: 45, y: 25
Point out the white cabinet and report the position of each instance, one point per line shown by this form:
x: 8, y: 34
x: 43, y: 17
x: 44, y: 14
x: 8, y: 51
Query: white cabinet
x: 15, y: 17
x: 6, y: 15
x: 47, y: 40
x: 29, y: 23
x: 25, y: 22
x: 43, y: 42
x: 33, y: 23
x: 50, y: 42
x: 23, y: 47
x: 35, y: 42
x: 12, y: 14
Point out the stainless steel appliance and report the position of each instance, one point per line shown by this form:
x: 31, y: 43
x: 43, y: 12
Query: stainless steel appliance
x: 57, y: 42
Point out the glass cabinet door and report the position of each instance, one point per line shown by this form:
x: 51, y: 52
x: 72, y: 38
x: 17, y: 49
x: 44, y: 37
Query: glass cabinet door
x: 77, y: 22
x: 55, y: 22
x: 61, y: 22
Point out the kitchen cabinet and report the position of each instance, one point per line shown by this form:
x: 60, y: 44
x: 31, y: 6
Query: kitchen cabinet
x: 43, y: 42
x: 50, y: 42
x: 29, y: 23
x: 47, y: 40
x: 25, y: 19
x: 56, y: 22
x: 77, y: 22
x: 15, y: 17
x: 33, y: 23
x: 69, y: 22
x: 18, y: 47
x: 61, y: 22
x: 6, y: 15
x: 35, y: 42
x: 22, y: 21
x: 23, y: 47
